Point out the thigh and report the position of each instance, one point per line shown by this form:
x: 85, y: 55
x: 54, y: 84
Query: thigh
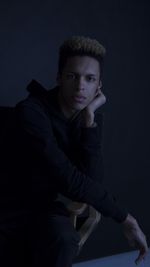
x: 48, y: 227
x: 60, y: 227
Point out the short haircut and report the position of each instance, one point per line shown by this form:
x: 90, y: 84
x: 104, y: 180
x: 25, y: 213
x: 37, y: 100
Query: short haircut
x: 80, y: 46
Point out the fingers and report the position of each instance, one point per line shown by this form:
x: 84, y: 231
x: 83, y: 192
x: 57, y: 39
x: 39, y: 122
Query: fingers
x: 102, y: 97
x: 140, y: 258
x: 137, y: 239
x: 98, y: 92
x: 142, y: 255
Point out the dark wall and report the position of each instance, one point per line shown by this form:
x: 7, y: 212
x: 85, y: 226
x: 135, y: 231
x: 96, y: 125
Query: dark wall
x: 30, y: 35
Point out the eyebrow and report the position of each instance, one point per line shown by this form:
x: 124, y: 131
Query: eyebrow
x: 91, y: 74
x: 87, y: 74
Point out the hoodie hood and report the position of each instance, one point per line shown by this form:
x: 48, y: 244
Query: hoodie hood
x: 46, y: 97
x: 35, y: 88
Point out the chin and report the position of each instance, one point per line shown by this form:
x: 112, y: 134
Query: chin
x: 78, y: 107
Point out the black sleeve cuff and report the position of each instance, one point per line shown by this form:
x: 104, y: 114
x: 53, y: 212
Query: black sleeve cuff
x: 106, y: 203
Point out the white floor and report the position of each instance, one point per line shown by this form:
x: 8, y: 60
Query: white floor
x: 120, y: 260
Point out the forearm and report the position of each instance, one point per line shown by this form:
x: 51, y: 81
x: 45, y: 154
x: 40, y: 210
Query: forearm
x: 88, y: 149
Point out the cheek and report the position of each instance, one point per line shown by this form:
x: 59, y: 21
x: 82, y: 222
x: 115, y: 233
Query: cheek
x: 96, y: 91
x: 93, y: 94
x: 67, y: 87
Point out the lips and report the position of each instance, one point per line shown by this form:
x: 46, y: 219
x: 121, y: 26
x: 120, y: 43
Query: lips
x: 79, y: 99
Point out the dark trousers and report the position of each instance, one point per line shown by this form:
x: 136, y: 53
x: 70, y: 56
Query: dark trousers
x: 39, y: 240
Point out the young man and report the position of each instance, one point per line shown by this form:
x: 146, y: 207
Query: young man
x: 57, y: 141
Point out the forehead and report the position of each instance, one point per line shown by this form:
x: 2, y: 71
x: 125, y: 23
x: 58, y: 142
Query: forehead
x: 83, y: 65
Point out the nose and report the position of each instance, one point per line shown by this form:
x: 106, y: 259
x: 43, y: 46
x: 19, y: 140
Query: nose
x: 80, y: 83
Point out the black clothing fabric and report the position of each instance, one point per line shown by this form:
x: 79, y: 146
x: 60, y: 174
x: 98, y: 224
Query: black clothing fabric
x: 49, y: 154
x: 62, y: 246
x: 43, y: 154
x: 57, y: 155
x: 47, y: 239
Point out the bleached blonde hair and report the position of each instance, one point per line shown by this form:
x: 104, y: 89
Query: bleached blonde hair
x: 80, y: 46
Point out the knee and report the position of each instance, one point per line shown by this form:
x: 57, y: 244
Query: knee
x: 62, y: 235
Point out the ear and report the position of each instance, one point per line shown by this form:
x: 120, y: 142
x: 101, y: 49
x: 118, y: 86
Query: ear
x: 100, y: 85
x: 98, y: 88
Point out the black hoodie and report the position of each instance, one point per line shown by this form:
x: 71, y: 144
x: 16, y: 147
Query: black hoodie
x: 55, y: 155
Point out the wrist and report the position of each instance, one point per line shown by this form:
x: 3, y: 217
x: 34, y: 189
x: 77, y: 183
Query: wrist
x: 88, y: 119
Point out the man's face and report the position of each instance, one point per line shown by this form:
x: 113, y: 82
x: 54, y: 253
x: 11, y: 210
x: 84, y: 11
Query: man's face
x: 80, y: 77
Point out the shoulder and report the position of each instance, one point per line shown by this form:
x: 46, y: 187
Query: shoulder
x: 36, y: 98
x: 31, y: 110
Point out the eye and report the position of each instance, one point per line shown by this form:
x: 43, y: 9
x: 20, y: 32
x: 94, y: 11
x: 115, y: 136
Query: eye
x: 91, y: 78
x: 70, y: 76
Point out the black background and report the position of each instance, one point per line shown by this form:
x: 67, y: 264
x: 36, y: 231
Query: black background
x: 30, y: 35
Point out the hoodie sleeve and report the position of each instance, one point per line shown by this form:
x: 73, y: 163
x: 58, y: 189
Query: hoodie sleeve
x: 88, y: 149
x: 35, y: 125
